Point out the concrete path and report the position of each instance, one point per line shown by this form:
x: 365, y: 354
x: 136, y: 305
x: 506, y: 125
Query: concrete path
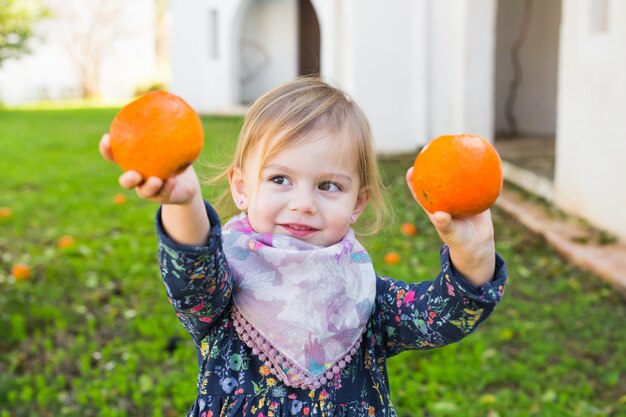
x: 573, y: 241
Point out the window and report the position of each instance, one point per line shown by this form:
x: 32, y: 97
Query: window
x: 213, y: 35
x: 599, y: 16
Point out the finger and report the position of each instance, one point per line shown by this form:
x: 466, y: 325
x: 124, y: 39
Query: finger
x: 105, y: 147
x: 166, y: 190
x: 130, y: 179
x: 443, y: 222
x: 150, y: 188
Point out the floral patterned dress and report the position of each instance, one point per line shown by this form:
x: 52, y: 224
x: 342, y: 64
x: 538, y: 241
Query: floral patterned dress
x: 234, y: 382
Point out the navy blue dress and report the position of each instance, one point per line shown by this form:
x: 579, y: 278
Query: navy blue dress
x: 234, y: 382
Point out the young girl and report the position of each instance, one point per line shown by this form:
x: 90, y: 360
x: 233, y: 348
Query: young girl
x: 283, y: 303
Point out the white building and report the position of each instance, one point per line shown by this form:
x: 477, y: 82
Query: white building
x: 419, y: 69
x: 423, y: 68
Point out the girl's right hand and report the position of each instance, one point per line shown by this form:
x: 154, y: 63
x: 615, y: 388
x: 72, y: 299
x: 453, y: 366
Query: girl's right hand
x: 179, y: 190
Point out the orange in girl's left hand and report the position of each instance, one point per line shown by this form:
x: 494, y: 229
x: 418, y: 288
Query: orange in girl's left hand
x: 158, y: 135
x: 457, y: 174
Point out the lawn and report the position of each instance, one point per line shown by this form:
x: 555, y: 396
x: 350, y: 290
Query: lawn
x: 91, y: 332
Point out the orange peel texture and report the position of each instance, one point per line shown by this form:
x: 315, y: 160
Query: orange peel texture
x: 158, y: 135
x: 458, y: 174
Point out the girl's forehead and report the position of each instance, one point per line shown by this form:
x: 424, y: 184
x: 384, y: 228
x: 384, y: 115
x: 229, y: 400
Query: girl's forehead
x: 323, y: 151
x: 327, y: 148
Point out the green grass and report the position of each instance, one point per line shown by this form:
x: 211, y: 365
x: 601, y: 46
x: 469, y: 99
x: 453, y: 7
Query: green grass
x: 88, y: 334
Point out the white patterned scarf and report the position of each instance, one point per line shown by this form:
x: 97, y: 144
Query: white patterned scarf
x: 301, y: 308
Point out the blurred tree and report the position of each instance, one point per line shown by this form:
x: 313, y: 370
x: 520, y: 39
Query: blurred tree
x: 16, y: 26
x: 90, y: 31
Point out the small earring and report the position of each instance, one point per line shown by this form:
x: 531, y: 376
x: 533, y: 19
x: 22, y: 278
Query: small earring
x: 239, y: 203
x: 352, y: 218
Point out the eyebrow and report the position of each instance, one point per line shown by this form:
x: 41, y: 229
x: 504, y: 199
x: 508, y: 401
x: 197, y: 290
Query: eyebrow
x: 282, y: 168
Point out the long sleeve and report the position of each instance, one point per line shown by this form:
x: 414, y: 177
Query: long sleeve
x: 197, y: 279
x: 434, y: 313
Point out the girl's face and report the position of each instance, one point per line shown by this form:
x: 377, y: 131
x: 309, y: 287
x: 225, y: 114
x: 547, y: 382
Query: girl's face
x: 307, y: 191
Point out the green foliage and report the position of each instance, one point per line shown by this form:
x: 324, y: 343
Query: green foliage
x: 16, y: 26
x: 88, y: 334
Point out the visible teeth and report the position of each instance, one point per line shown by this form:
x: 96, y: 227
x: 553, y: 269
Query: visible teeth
x: 300, y: 227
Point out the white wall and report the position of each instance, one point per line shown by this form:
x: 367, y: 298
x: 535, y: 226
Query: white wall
x: 535, y: 106
x: 460, y: 67
x: 212, y: 84
x: 591, y: 143
x: 48, y: 73
x: 197, y: 77
x: 268, y: 46
x: 337, y: 37
x: 406, y: 65
x: 375, y: 58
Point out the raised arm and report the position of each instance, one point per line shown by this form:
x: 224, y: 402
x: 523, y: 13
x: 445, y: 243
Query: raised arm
x: 183, y: 215
x: 431, y: 314
x: 196, y: 277
x: 191, y: 261
x: 470, y: 240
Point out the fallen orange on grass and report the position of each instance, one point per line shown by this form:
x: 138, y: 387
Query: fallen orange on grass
x: 458, y: 174
x: 21, y: 272
x: 5, y: 213
x: 392, y: 258
x: 119, y: 199
x: 408, y: 229
x: 158, y: 135
x: 66, y: 241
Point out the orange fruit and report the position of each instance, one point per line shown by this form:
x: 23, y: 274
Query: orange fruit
x: 65, y: 242
x: 119, y: 199
x: 458, y: 174
x: 158, y: 135
x: 392, y: 258
x: 5, y: 213
x: 21, y: 272
x: 408, y: 229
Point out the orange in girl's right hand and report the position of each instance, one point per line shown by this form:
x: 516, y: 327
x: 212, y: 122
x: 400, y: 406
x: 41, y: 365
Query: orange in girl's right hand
x: 158, y: 135
x: 457, y: 174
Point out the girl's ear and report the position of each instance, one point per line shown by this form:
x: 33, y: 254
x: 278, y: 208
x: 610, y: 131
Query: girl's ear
x: 361, y: 202
x: 238, y: 188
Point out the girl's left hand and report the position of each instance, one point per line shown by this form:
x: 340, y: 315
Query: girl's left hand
x: 470, y: 239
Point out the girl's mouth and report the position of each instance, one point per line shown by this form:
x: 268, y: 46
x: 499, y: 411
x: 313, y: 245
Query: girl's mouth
x: 298, y: 230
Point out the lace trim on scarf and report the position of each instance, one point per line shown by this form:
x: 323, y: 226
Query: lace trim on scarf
x: 280, y: 366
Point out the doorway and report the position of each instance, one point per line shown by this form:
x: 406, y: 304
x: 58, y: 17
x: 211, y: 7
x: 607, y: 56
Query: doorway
x: 279, y: 40
x: 309, y: 39
x: 526, y: 71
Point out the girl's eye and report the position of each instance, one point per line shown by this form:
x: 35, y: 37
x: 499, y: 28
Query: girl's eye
x: 330, y: 186
x: 280, y: 180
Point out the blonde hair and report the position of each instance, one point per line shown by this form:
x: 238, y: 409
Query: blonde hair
x: 298, y: 111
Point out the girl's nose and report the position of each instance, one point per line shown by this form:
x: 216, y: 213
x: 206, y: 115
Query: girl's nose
x: 302, y: 201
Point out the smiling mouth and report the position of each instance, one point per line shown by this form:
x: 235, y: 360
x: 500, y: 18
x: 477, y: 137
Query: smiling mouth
x: 298, y: 229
